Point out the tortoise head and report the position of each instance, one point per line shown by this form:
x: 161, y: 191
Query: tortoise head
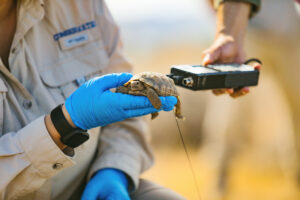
x: 137, y: 85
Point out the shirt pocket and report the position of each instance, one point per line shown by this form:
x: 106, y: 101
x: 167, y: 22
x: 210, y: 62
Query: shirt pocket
x: 3, y: 91
x: 76, y: 65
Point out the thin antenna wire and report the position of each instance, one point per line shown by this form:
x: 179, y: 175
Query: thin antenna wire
x: 189, y: 160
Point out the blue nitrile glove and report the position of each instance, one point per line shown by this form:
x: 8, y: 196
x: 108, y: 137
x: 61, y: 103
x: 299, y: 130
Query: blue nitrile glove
x: 93, y: 104
x: 107, y: 184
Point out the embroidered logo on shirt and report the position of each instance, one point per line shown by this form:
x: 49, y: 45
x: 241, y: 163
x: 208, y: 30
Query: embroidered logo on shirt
x: 71, y: 31
x: 77, y: 39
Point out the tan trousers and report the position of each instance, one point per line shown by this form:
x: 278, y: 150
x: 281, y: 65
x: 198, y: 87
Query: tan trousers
x: 147, y: 191
x: 151, y: 191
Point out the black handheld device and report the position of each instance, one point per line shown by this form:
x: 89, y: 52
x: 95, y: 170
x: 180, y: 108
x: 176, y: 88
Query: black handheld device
x: 217, y: 76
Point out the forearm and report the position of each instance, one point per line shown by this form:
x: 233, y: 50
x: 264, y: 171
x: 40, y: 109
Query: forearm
x: 255, y: 4
x: 232, y: 19
x: 53, y: 132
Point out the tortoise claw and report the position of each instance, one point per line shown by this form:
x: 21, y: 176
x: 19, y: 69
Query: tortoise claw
x: 154, y: 115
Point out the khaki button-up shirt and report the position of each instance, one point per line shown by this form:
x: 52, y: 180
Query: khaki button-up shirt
x: 57, y: 46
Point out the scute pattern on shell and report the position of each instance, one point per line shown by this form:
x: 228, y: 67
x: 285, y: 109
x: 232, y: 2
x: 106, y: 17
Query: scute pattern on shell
x: 163, y: 85
x: 153, y: 85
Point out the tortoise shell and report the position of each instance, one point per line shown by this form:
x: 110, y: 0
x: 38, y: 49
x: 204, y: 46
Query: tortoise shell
x: 163, y: 85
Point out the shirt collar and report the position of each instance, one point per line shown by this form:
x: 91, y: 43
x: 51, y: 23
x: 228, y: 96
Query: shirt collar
x: 29, y: 13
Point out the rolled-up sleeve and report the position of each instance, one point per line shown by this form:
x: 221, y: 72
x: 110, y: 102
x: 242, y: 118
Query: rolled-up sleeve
x: 28, y: 158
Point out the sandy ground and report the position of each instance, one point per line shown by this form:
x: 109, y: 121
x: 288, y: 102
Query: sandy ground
x: 248, y: 181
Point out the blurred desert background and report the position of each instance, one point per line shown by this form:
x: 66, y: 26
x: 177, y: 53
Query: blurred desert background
x: 246, y: 148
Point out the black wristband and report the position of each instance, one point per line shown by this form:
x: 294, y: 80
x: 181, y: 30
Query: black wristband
x: 70, y: 136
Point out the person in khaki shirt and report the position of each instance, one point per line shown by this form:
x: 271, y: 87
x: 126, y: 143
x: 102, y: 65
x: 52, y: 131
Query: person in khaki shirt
x: 56, y: 52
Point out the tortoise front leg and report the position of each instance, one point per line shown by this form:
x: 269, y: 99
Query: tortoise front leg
x: 153, y: 98
x: 122, y: 89
x: 138, y: 93
x: 154, y: 115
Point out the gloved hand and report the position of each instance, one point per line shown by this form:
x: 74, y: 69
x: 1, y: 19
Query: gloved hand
x: 107, y: 184
x: 93, y: 104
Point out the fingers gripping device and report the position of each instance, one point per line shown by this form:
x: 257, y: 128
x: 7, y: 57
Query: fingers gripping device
x: 217, y: 76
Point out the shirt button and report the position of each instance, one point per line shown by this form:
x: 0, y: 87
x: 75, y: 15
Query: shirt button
x: 13, y: 50
x: 57, y: 166
x: 27, y: 104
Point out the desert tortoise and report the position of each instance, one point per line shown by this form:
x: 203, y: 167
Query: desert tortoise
x: 152, y: 85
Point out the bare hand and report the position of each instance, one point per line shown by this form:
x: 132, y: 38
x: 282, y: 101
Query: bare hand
x: 225, y: 50
x: 228, y: 44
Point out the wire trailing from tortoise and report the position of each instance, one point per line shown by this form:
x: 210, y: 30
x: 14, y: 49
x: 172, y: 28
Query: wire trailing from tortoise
x: 189, y: 160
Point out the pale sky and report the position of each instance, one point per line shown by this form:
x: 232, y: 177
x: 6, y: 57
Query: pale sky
x: 135, y: 10
x: 156, y: 21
